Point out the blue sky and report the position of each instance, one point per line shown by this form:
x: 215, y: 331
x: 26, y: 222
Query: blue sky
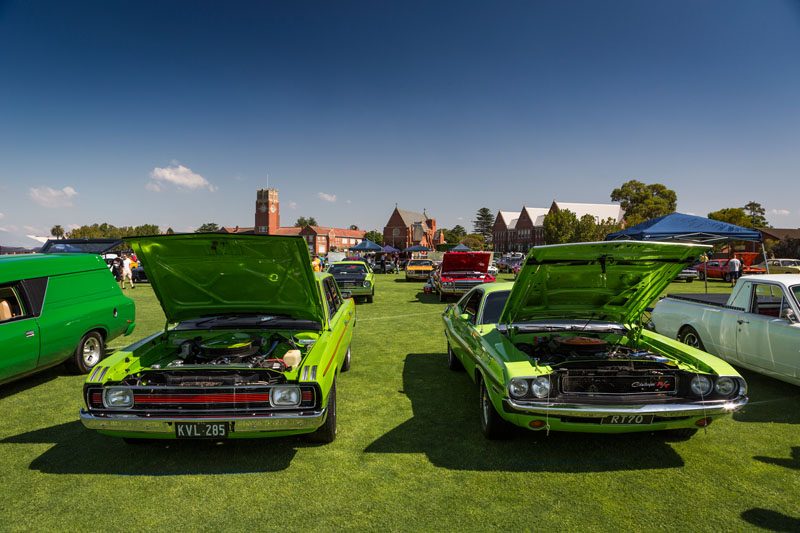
x: 174, y: 113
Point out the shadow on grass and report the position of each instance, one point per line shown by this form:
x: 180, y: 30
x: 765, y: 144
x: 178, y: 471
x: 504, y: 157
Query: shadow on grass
x: 34, y: 380
x: 78, y: 450
x: 793, y: 463
x: 445, y: 427
x: 427, y: 298
x: 770, y: 400
x: 771, y: 520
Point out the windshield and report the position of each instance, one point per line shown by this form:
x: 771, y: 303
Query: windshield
x: 420, y: 263
x: 791, y: 263
x: 347, y: 269
x: 796, y: 291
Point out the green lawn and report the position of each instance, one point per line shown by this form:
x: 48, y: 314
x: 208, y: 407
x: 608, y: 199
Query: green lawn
x: 409, y: 456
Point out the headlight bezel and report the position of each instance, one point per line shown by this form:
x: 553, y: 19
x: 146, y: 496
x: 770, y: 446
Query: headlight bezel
x: 366, y: 284
x: 518, y: 387
x: 695, y: 387
x: 734, y: 386
x: 542, y: 383
x: 112, y: 394
x: 276, y: 396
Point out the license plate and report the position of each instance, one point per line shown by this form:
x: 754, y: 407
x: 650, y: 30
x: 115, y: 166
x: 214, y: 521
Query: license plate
x: 201, y: 430
x: 619, y: 420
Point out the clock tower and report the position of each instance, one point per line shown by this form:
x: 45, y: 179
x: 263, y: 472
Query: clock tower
x: 268, y: 215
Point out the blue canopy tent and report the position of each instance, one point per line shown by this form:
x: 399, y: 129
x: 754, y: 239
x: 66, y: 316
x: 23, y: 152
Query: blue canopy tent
x: 366, y: 246
x: 461, y: 248
x: 688, y: 228
x: 388, y: 248
x: 417, y: 248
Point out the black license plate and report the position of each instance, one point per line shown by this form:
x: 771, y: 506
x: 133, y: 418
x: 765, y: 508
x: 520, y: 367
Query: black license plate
x: 201, y: 430
x: 627, y: 420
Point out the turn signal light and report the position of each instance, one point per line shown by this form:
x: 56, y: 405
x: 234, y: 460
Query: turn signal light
x: 537, y: 424
x: 703, y: 422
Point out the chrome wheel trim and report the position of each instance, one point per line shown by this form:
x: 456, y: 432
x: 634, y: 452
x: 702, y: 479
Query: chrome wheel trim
x: 691, y: 340
x: 91, y: 352
x: 485, y: 406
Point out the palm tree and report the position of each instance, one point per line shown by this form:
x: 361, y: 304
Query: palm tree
x: 57, y: 231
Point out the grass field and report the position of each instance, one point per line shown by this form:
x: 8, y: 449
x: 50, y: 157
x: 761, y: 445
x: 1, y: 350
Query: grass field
x: 409, y: 456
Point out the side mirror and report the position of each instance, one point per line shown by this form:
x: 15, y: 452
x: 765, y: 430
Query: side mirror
x: 464, y: 317
x: 788, y: 314
x: 347, y: 294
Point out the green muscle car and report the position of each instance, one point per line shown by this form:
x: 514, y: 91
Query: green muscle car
x: 355, y: 277
x: 257, y: 344
x: 563, y: 349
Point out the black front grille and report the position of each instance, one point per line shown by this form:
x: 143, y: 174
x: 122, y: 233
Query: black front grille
x: 591, y: 382
x: 467, y: 284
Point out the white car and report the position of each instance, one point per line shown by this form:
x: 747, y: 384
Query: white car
x: 756, y: 327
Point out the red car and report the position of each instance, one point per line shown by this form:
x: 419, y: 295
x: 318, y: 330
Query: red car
x: 460, y: 271
x: 718, y: 268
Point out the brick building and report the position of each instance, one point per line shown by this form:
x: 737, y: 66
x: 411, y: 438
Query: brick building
x: 407, y: 228
x: 519, y: 231
x: 320, y: 239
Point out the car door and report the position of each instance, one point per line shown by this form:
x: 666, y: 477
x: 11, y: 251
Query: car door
x: 19, y: 334
x: 341, y: 322
x: 763, y: 338
x: 464, y: 326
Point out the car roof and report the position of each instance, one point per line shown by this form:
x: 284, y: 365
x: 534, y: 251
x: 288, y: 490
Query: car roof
x: 28, y: 266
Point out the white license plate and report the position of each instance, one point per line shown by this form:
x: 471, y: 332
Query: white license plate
x: 626, y: 420
x: 201, y: 430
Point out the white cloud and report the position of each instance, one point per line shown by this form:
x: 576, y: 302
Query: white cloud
x: 460, y: 218
x: 1, y: 215
x: 348, y: 202
x: 293, y: 205
x: 3, y: 229
x: 177, y: 175
x: 32, y: 229
x: 49, y: 197
x: 327, y: 197
x: 782, y: 212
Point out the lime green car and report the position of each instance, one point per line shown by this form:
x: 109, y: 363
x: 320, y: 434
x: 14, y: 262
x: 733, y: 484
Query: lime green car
x: 354, y: 277
x: 563, y: 348
x: 57, y: 308
x: 253, y: 345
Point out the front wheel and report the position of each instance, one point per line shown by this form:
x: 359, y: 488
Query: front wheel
x: 346, y: 362
x: 727, y: 277
x: 370, y: 297
x: 89, y: 352
x: 327, y: 431
x: 493, y: 426
x: 688, y: 335
x: 701, y: 276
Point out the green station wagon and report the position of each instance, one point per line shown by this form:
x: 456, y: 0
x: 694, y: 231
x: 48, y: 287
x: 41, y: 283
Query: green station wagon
x: 563, y: 347
x: 56, y: 308
x: 255, y: 348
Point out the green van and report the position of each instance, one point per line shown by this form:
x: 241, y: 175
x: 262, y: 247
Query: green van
x: 56, y: 308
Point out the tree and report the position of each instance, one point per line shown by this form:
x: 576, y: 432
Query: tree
x: 374, y: 236
x: 731, y: 215
x: 559, y: 226
x: 642, y: 202
x: 170, y: 231
x: 353, y: 227
x: 303, y: 222
x: 109, y: 231
x: 208, y: 227
x: 788, y: 248
x: 584, y: 230
x: 483, y: 223
x: 460, y: 231
x: 57, y: 231
x: 756, y: 214
x: 605, y: 227
x: 474, y: 241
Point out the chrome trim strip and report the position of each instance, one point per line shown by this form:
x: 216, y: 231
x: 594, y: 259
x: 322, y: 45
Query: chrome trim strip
x: 94, y: 372
x: 717, y: 407
x: 314, y: 373
x: 102, y: 373
x: 305, y: 373
x: 165, y: 425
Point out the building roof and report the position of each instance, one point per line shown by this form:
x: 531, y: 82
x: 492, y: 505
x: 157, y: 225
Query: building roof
x: 599, y: 211
x: 237, y: 229
x: 288, y: 230
x: 513, y: 224
x: 536, y: 214
x: 340, y: 232
x: 410, y: 217
x: 780, y: 233
x: 508, y: 217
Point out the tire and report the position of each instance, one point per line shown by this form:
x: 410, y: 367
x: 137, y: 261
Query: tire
x: 727, y: 277
x: 89, y: 352
x: 688, y: 335
x: 701, y: 276
x: 689, y: 280
x: 327, y: 431
x: 442, y: 297
x: 453, y: 363
x: 371, y: 296
x: 346, y: 362
x: 493, y: 426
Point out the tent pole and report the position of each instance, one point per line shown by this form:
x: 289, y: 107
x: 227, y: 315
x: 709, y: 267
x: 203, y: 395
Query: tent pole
x: 764, y: 251
x: 705, y: 274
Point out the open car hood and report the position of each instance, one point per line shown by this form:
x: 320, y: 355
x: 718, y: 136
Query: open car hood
x: 466, y: 262
x: 201, y: 274
x: 611, y: 280
x: 79, y: 246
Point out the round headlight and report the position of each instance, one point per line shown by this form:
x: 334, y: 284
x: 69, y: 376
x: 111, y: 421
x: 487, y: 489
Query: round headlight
x: 541, y: 386
x: 366, y: 283
x: 284, y: 396
x: 725, y: 386
x: 518, y: 387
x: 701, y: 385
x: 118, y: 398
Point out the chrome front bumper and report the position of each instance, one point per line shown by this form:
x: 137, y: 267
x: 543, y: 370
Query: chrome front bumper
x: 165, y: 425
x: 598, y: 411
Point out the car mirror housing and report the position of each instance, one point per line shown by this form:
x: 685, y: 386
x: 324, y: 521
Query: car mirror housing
x: 789, y: 315
x: 464, y: 316
x: 347, y: 294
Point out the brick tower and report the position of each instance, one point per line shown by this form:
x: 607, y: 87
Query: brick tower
x: 268, y: 212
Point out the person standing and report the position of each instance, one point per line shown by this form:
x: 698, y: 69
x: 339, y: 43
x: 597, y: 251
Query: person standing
x: 126, y: 272
x: 734, y: 267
